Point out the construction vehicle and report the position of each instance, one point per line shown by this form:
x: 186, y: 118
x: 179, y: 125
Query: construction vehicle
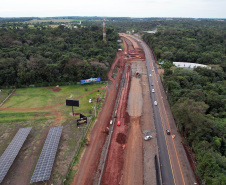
x: 137, y: 74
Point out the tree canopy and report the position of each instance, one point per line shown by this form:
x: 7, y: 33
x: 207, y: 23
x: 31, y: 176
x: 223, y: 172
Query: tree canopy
x: 42, y: 54
x: 198, y: 99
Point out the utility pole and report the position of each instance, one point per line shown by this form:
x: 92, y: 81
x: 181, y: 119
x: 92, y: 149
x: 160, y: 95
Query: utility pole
x: 104, y: 29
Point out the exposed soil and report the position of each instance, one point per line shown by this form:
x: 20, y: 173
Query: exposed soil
x: 121, y: 138
x: 57, y: 89
x: 22, y: 169
x: 130, y: 159
x: 115, y: 159
x: 90, y: 160
x: 133, y: 168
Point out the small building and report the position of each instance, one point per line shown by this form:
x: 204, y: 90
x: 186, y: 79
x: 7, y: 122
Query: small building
x: 188, y: 65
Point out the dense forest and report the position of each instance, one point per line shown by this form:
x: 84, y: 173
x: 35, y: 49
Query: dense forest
x: 197, y: 97
x: 45, y: 55
x: 199, y: 45
x: 198, y: 101
x: 42, y: 54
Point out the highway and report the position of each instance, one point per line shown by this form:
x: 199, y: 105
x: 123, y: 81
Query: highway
x: 165, y: 163
x: 170, y: 166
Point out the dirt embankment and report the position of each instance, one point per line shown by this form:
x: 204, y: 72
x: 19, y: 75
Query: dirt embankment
x: 90, y: 160
x: 115, y: 160
x: 133, y: 168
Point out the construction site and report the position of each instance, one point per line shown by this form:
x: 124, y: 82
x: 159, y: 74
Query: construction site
x: 122, y: 155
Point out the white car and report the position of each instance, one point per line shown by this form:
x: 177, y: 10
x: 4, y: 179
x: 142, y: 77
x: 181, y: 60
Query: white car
x: 90, y: 100
x: 150, y: 75
x: 146, y: 138
x: 155, y: 103
x: 153, y: 90
x: 152, y: 69
x: 111, y: 122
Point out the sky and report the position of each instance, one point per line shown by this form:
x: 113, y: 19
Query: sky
x: 114, y: 8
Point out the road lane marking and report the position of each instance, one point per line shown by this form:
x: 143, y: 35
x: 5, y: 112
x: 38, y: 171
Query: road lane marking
x: 169, y: 127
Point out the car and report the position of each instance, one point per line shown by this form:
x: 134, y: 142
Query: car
x: 90, y: 100
x: 118, y: 123
x: 153, y: 90
x: 152, y: 84
x: 150, y: 75
x: 152, y: 69
x: 167, y: 131
x: 111, y: 122
x: 146, y: 138
x: 155, y: 103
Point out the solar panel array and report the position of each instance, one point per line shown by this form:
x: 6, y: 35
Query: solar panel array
x: 45, y: 163
x: 7, y: 158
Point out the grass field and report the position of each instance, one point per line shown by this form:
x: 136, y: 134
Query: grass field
x: 4, y: 93
x: 42, y: 108
x: 33, y: 104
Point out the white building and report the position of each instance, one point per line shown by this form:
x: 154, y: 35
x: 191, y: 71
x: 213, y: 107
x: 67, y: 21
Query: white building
x: 189, y: 65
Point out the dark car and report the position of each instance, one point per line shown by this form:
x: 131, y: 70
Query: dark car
x: 168, y: 132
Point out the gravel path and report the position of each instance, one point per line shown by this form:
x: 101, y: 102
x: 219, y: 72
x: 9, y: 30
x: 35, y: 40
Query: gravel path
x: 135, y: 101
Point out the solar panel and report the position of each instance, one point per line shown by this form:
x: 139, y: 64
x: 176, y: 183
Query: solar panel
x: 45, y: 163
x: 7, y: 158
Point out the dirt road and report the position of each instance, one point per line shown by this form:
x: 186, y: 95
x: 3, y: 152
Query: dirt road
x: 115, y: 159
x: 90, y: 160
x: 133, y: 169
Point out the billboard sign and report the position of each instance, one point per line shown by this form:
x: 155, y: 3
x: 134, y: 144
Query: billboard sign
x: 72, y: 103
x: 90, y: 80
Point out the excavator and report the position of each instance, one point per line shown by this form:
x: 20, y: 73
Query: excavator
x: 137, y: 74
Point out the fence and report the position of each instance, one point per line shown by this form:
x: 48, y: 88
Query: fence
x: 81, y: 143
x: 7, y: 97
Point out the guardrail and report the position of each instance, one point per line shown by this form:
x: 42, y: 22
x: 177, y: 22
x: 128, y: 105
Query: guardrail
x: 112, y: 128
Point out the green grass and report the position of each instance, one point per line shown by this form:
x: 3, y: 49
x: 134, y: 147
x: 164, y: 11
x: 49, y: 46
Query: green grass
x: 4, y: 93
x: 41, y: 119
x: 43, y: 96
x: 7, y: 117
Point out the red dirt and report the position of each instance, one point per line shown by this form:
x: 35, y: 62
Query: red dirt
x: 90, y: 160
x: 57, y: 89
x: 23, y: 166
x: 133, y: 168
x: 115, y: 160
x: 121, y: 138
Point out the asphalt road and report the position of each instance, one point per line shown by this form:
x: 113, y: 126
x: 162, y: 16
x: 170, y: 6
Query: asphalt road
x: 165, y: 164
x: 174, y: 165
x: 170, y: 166
x: 169, y: 160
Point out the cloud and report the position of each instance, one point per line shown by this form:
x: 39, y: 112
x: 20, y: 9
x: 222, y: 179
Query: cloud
x: 116, y: 8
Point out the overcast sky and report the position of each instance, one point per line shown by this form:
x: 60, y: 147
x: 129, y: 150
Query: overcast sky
x: 114, y: 8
